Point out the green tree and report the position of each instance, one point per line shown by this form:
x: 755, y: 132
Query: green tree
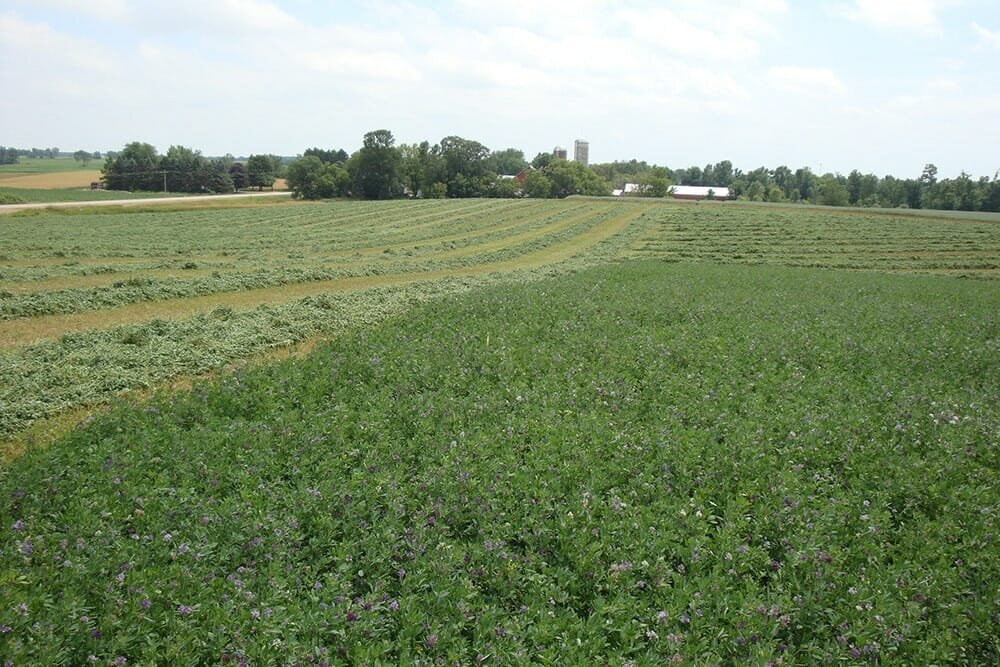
x: 437, y: 190
x: 261, y: 171
x: 186, y: 170
x: 238, y: 173
x: 311, y: 178
x: 854, y: 187
x: 508, y: 162
x: 136, y: 167
x: 833, y: 191
x: 82, y: 156
x: 331, y: 156
x: 654, y: 183
x: 465, y: 166
x: 217, y: 177
x: 375, y: 169
x: 569, y: 177
x: 505, y: 188
x: 542, y: 160
x: 537, y: 185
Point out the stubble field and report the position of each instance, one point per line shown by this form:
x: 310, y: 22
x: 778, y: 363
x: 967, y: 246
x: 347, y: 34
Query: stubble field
x: 775, y: 439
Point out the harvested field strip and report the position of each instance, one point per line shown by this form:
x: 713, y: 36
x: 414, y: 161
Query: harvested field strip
x: 492, y: 226
x: 815, y: 238
x: 230, y: 232
x: 58, y: 374
x: 25, y: 331
x: 121, y: 292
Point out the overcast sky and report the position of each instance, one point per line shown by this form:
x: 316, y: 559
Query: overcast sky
x: 883, y: 86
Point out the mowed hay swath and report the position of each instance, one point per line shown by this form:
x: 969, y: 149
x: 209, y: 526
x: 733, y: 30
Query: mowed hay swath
x: 144, y: 296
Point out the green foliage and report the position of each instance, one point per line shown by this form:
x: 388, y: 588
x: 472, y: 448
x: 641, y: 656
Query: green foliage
x: 572, y: 178
x: 330, y: 156
x: 262, y: 170
x: 508, y: 162
x: 9, y: 155
x: 139, y: 168
x: 466, y: 167
x: 375, y: 169
x: 832, y: 191
x: 310, y: 178
x: 537, y: 185
x: 654, y: 183
x: 505, y: 188
x: 136, y: 167
x: 652, y: 463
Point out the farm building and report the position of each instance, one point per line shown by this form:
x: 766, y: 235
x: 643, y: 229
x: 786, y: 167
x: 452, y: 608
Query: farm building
x: 699, y: 192
x: 693, y: 192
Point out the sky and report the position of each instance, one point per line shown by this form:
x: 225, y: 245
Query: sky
x: 883, y: 86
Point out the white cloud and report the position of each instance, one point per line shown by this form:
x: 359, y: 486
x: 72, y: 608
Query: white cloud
x: 47, y: 47
x: 911, y: 15
x: 987, y: 38
x: 105, y: 10
x: 353, y: 63
x: 811, y: 81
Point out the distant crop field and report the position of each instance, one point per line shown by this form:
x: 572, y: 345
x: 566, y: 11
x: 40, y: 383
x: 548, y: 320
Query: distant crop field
x: 55, y: 180
x: 36, y: 174
x: 98, y: 302
x: 34, y: 166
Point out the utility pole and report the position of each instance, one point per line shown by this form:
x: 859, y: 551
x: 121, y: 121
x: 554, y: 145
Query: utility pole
x: 164, y: 181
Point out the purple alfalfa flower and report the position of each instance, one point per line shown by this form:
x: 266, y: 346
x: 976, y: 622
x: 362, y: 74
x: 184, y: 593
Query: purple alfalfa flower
x: 27, y: 547
x: 393, y: 605
x: 352, y: 616
x: 431, y: 641
x: 18, y: 526
x: 145, y: 603
x: 96, y: 633
x: 854, y: 651
x: 184, y: 610
x: 119, y: 661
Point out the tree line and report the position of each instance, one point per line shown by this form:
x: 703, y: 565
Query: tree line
x: 453, y: 167
x: 139, y: 167
x: 11, y: 155
x: 458, y: 167
x: 781, y: 184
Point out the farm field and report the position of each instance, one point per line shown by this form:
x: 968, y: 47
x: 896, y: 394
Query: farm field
x: 42, y: 173
x: 40, y: 180
x: 570, y: 432
x: 640, y: 463
x: 148, y: 295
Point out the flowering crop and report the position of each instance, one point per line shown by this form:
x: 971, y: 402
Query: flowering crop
x: 640, y: 464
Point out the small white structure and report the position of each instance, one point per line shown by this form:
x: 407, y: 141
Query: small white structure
x: 699, y: 192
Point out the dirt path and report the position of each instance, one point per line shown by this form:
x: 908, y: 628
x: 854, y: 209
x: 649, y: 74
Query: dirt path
x: 9, y: 208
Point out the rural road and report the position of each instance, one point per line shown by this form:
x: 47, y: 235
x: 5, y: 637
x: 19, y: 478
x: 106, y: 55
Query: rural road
x: 5, y: 208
